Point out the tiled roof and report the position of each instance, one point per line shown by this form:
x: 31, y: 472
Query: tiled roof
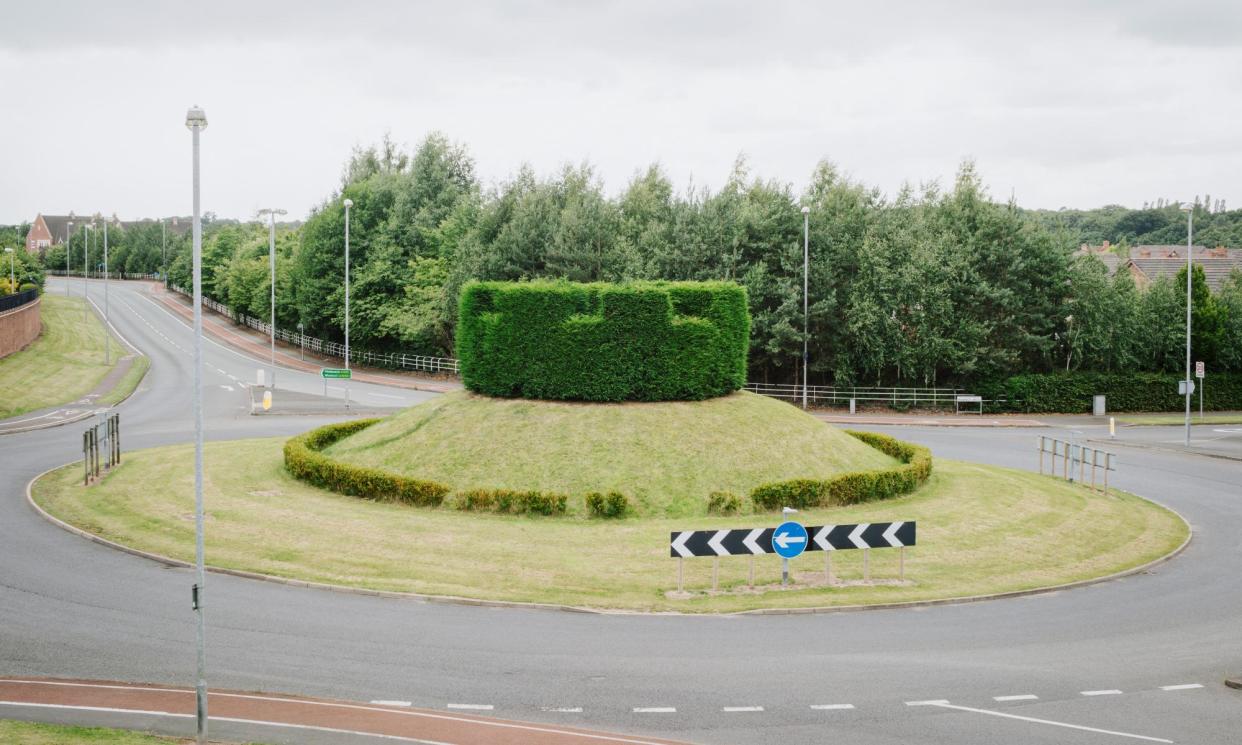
x: 1215, y: 269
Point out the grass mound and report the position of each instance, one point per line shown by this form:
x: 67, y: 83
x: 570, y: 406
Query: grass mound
x: 666, y: 457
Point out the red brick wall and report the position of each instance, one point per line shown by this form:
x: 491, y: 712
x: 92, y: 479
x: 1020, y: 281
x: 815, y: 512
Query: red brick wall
x: 38, y: 232
x: 19, y: 327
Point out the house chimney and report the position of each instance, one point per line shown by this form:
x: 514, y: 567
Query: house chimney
x: 1106, y: 245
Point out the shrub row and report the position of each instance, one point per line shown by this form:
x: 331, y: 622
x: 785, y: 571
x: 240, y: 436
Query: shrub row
x: 642, y: 341
x: 855, y: 486
x: 723, y: 503
x: 1072, y: 392
x: 511, y: 501
x: 610, y: 505
x: 304, y: 461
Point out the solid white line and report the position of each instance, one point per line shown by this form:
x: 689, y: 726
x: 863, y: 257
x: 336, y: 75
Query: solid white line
x: 355, y: 707
x: 385, y: 702
x: 1019, y: 697
x: 933, y: 702
x: 1109, y: 692
x: 742, y: 708
x: 831, y: 706
x: 654, y: 710
x: 1049, y: 721
x: 235, y: 720
x: 1182, y: 687
x: 472, y: 707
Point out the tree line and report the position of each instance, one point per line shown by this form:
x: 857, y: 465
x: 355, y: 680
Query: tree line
x: 929, y: 286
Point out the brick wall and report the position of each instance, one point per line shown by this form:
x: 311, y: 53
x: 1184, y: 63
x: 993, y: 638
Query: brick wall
x: 19, y: 327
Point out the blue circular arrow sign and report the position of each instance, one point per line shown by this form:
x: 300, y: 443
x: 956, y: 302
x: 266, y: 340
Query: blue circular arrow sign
x: 789, y: 540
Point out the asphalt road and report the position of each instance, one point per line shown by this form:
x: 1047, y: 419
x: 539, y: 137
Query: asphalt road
x: 72, y: 608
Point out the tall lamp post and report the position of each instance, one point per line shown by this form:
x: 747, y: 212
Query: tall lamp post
x: 806, y: 283
x: 68, y: 253
x: 164, y: 250
x: 107, y: 317
x: 86, y: 265
x: 348, y: 203
x: 12, y: 280
x: 1190, y: 229
x: 196, y: 122
x: 271, y: 260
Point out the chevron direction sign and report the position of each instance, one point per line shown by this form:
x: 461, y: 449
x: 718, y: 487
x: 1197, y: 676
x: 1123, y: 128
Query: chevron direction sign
x: 748, y: 542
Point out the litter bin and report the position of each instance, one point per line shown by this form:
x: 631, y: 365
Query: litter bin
x: 1097, y: 406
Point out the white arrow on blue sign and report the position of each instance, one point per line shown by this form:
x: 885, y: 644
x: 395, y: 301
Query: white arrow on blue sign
x: 789, y: 539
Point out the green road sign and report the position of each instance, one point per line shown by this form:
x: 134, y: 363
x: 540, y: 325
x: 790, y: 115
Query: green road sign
x: 335, y: 372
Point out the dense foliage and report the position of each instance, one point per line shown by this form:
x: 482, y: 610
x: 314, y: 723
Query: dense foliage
x: 855, y: 486
x: 929, y: 286
x: 603, y: 342
x: 1071, y: 392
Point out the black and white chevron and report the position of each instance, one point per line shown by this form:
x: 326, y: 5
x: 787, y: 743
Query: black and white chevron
x: 747, y: 542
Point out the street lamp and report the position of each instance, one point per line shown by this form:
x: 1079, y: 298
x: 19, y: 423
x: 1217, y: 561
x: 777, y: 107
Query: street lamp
x: 271, y: 258
x: 348, y: 203
x: 12, y: 279
x: 68, y: 242
x: 107, y: 318
x: 164, y: 250
x: 196, y: 122
x: 86, y: 265
x: 1190, y: 229
x: 806, y: 274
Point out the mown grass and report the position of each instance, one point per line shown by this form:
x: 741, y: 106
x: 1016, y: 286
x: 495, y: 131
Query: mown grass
x: 666, y: 457
x: 31, y: 733
x: 982, y: 530
x: 128, y: 382
x: 65, y: 363
x: 1209, y: 417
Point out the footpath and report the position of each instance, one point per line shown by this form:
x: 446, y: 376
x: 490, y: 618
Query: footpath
x: 88, y: 405
x: 257, y: 345
x: 172, y: 710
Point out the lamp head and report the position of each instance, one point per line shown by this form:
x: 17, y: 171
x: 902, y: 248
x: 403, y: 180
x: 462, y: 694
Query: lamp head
x: 806, y: 210
x: 195, y: 118
x: 349, y: 203
x: 8, y: 250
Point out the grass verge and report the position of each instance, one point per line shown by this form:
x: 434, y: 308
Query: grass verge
x: 1210, y: 417
x: 126, y: 385
x: 62, y: 365
x: 13, y: 732
x: 982, y: 529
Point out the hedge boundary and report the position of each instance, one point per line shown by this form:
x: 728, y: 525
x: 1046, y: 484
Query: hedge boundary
x: 637, y: 341
x: 304, y: 461
x: 852, y: 487
x: 1072, y: 392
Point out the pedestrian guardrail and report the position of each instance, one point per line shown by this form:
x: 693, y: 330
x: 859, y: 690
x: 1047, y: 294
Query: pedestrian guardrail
x: 109, y: 444
x: 788, y: 541
x: 1072, y: 459
x: 832, y: 395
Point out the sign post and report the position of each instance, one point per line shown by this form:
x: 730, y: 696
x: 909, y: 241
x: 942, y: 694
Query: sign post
x: 788, y: 541
x: 1200, y: 373
x: 334, y: 373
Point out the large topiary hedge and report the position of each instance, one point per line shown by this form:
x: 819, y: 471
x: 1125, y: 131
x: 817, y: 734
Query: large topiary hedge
x: 644, y: 341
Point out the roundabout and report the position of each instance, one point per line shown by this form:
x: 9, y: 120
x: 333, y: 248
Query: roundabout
x: 73, y: 609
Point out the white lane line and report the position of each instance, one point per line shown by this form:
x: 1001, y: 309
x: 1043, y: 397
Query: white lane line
x: 738, y: 709
x: 831, y: 707
x: 1181, y: 687
x: 932, y: 702
x: 1108, y: 692
x: 654, y: 710
x: 227, y: 719
x: 386, y: 702
x: 1018, y: 697
x: 472, y: 707
x: 563, y: 709
x: 1067, y: 725
x: 228, y: 388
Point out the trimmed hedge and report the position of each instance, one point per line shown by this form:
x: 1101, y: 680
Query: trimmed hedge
x: 1071, y: 392
x: 304, y: 461
x: 642, y: 341
x: 610, y: 505
x: 723, y: 503
x: 511, y: 501
x: 855, y: 486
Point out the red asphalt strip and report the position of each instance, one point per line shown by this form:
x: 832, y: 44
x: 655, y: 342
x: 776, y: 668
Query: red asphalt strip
x: 260, y: 351
x: 296, y: 711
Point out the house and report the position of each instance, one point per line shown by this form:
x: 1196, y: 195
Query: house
x: 52, y: 230
x: 1148, y: 263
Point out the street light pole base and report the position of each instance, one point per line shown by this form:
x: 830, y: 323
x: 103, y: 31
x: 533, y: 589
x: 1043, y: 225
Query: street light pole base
x: 1234, y: 682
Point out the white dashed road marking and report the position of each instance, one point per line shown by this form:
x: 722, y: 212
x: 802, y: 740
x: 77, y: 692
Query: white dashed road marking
x: 654, y: 710
x: 563, y: 709
x: 1109, y: 692
x: 1181, y: 687
x: 383, y: 702
x: 1006, y: 715
x: 932, y: 702
x: 736, y: 709
x: 472, y: 707
x: 825, y: 707
x: 1019, y: 697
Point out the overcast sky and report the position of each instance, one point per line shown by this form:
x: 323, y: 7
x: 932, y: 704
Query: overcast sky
x: 1073, y: 104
